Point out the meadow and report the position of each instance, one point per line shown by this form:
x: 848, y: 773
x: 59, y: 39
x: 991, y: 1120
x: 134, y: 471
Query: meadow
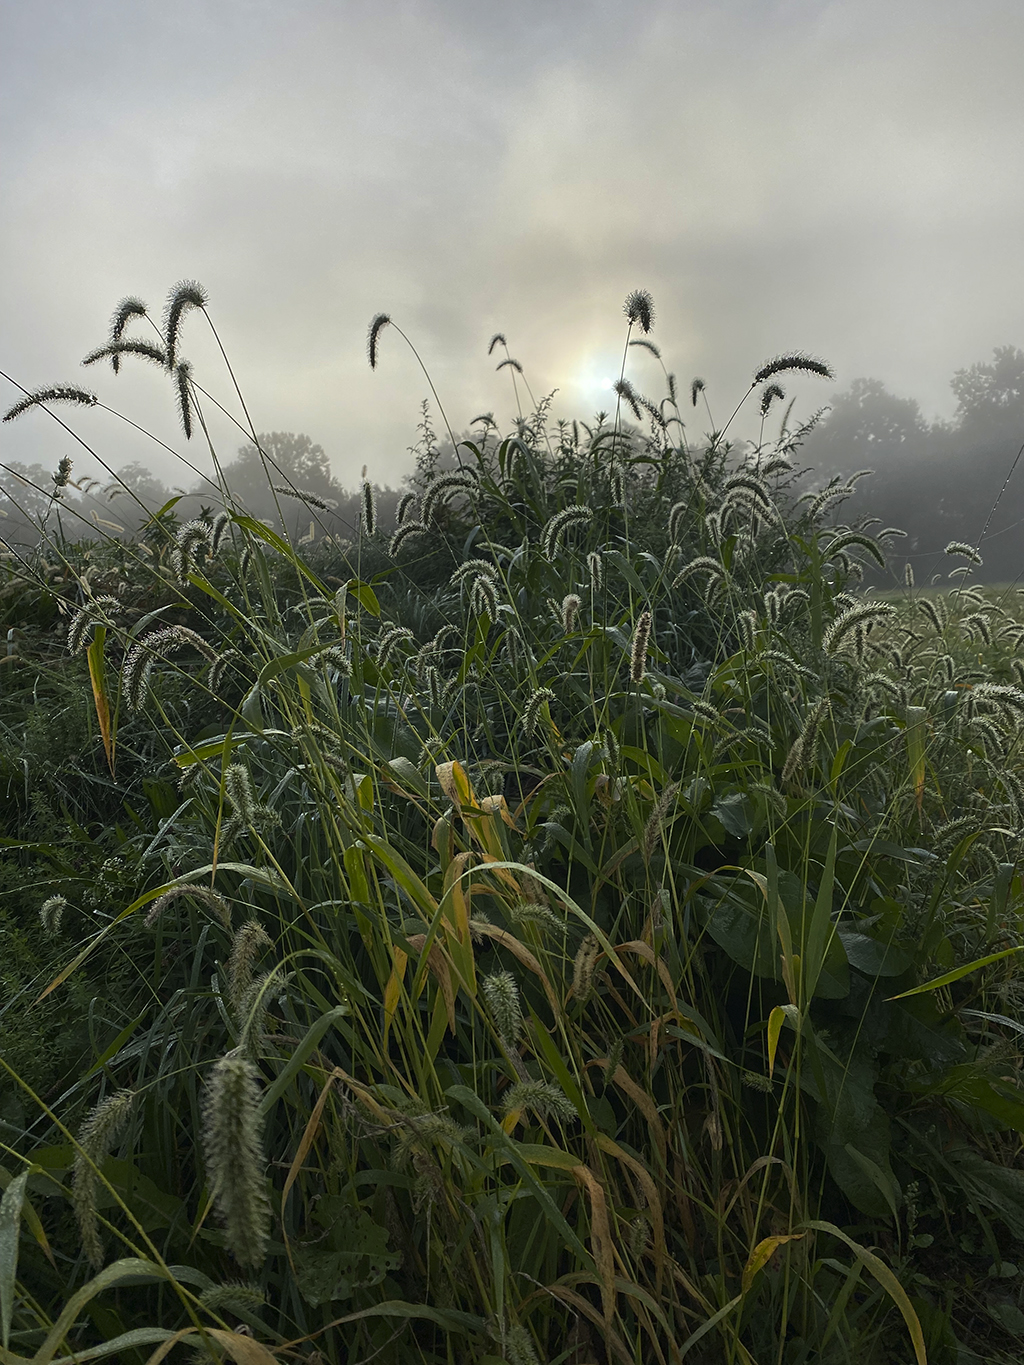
x: 581, y: 924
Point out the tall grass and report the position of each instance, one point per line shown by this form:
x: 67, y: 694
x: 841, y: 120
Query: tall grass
x: 578, y: 927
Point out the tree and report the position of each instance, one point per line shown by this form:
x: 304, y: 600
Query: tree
x: 867, y: 424
x: 991, y: 395
x: 291, y: 458
x: 145, y: 485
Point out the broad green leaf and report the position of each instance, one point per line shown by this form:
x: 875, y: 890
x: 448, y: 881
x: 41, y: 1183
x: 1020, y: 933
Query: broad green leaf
x: 365, y: 596
x: 876, y: 1175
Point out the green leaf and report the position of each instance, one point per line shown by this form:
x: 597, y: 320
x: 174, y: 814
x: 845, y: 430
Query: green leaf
x: 883, y: 1181
x: 171, y: 502
x: 949, y: 977
x: 351, y: 1254
x: 270, y: 537
x: 118, y: 1272
x: 299, y: 1057
x: 888, y: 1281
x: 510, y: 1149
x: 872, y: 957
x: 735, y: 813
x: 775, y: 1021
x: 624, y: 567
x: 365, y: 596
x: 97, y: 677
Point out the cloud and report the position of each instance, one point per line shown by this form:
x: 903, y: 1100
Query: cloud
x: 840, y: 178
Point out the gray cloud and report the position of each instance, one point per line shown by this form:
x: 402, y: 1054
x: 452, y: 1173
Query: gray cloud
x: 840, y: 177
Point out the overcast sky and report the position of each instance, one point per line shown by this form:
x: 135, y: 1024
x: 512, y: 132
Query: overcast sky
x: 843, y: 178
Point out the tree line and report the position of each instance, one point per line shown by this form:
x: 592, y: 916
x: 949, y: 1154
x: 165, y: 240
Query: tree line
x: 936, y: 481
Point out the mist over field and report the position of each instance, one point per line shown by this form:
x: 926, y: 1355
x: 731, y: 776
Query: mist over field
x: 837, y: 178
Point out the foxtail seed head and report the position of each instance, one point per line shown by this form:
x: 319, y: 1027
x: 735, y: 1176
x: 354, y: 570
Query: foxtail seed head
x: 405, y: 532
x: 782, y: 364
x: 555, y: 529
x: 868, y: 614
x: 640, y: 645
x: 369, y: 508
x: 55, y: 393
x: 94, y: 612
x: 517, y: 1346
x: 188, y: 294
x: 441, y: 491
x: 377, y: 325
x: 182, y: 378
x: 532, y: 710
x: 803, y: 754
x: 100, y: 1131
x: 238, y: 789
x: 51, y: 912
x: 214, y: 902
x: 639, y: 309
x: 771, y: 393
x: 584, y: 968
x: 571, y: 604
x: 218, y: 530
x: 956, y: 547
x: 543, y: 1098
x: 656, y: 820
x: 127, y: 309
x: 114, y: 350
x: 502, y: 996
x: 628, y: 394
x: 232, y: 1132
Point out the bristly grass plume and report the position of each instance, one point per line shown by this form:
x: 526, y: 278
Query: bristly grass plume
x: 234, y: 1158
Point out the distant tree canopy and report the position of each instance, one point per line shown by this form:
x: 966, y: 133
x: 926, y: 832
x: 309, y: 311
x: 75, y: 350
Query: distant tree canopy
x: 993, y: 394
x: 290, y: 458
x: 938, y: 482
x: 868, y: 418
x: 146, y: 487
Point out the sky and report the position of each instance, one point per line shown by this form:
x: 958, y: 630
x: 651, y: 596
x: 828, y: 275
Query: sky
x: 839, y: 178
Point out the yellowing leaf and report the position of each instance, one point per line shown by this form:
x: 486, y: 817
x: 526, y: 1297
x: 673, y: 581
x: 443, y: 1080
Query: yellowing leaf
x: 763, y: 1253
x: 97, y: 676
x: 775, y: 1021
x: 393, y: 989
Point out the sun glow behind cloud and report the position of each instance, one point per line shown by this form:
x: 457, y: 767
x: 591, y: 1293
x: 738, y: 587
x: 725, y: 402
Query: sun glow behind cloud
x: 792, y: 174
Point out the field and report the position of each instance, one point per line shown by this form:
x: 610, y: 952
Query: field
x: 579, y: 925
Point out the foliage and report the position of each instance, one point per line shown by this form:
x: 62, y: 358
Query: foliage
x: 580, y: 925
x: 939, y: 481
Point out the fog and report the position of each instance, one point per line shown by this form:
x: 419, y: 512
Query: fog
x: 842, y: 178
